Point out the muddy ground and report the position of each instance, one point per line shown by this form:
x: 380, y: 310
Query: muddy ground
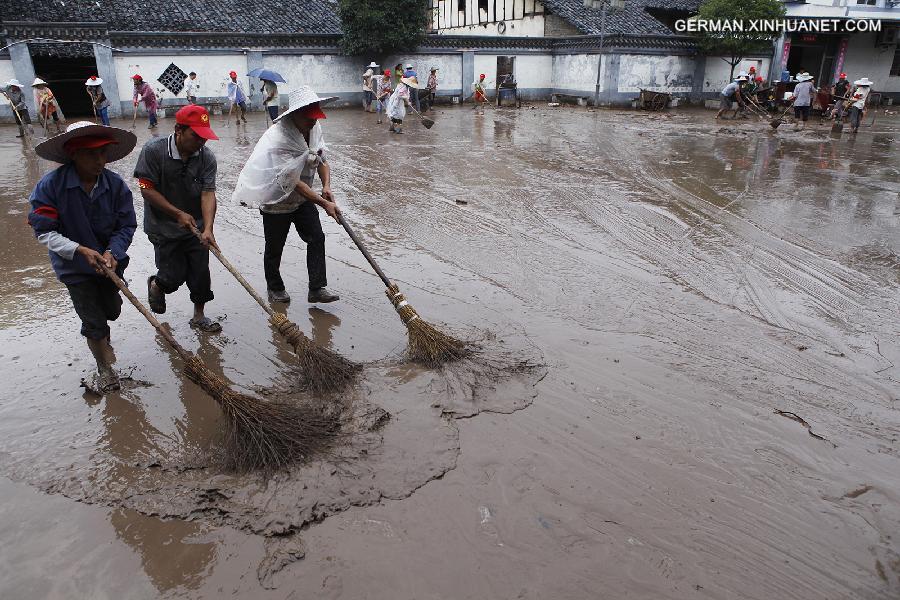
x: 675, y: 280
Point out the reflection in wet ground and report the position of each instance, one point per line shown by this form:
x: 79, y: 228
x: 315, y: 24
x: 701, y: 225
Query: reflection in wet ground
x: 680, y: 278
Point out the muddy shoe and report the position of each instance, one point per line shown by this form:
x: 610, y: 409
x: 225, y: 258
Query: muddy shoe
x: 205, y: 324
x: 107, y: 381
x: 279, y: 296
x: 322, y: 295
x: 156, y: 300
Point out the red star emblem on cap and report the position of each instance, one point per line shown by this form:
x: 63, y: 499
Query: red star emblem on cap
x: 204, y: 118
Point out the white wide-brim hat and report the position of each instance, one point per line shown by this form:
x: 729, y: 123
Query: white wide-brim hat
x: 301, y: 98
x: 741, y: 78
x: 52, y: 149
x: 803, y: 77
x: 863, y: 81
x: 38, y: 81
x: 93, y: 81
x: 13, y: 83
x: 409, y: 65
x: 412, y: 82
x: 372, y: 65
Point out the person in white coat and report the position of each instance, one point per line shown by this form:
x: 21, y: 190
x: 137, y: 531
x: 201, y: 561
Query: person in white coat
x: 399, y: 101
x: 278, y: 178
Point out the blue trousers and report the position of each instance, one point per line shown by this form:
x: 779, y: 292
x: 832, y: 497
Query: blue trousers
x: 103, y: 113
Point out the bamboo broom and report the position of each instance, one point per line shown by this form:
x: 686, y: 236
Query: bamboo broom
x: 323, y: 370
x: 427, y: 344
x: 258, y: 435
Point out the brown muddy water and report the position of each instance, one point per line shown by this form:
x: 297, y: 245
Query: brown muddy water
x: 679, y: 281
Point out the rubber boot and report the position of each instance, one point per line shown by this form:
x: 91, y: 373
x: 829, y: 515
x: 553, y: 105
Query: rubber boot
x: 108, y: 379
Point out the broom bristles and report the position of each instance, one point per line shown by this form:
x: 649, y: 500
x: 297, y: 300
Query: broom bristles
x: 427, y: 344
x: 323, y: 370
x: 263, y: 435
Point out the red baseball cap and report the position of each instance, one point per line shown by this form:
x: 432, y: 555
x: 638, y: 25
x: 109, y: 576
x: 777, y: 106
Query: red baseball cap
x: 313, y: 111
x: 232, y: 74
x: 196, y: 117
x: 87, y: 141
x: 843, y: 76
x: 137, y: 77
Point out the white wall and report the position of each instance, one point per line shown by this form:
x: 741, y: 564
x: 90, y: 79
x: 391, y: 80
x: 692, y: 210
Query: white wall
x: 534, y: 71
x: 891, y: 84
x: 658, y: 73
x: 577, y: 72
x: 212, y: 72
x: 865, y: 60
x: 449, y: 68
x: 329, y: 74
x: 7, y: 73
x: 487, y: 64
x: 717, y: 72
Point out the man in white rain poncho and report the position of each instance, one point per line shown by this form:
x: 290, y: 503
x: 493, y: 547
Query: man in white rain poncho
x: 399, y: 100
x: 278, y: 178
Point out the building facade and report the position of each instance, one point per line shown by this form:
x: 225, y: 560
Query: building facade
x: 593, y: 50
x: 872, y: 54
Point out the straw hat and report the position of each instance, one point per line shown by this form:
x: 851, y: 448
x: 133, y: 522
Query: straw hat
x: 13, y: 83
x: 53, y: 149
x: 38, y: 81
x: 864, y: 81
x: 301, y: 98
x: 92, y: 81
x: 412, y: 82
x: 803, y: 77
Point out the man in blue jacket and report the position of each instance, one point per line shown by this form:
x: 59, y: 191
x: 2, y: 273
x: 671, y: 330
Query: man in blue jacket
x: 84, y: 214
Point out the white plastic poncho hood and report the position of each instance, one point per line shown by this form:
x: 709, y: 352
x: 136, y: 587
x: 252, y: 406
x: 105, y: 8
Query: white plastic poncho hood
x: 278, y: 162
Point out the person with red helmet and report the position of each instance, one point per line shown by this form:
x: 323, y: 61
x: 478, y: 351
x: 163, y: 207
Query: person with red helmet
x: 479, y: 95
x: 278, y: 178
x: 237, y: 97
x: 144, y: 93
x: 177, y: 179
x: 383, y: 89
x: 841, y: 91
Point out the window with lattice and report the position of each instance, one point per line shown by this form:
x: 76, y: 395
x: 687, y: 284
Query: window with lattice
x: 173, y: 79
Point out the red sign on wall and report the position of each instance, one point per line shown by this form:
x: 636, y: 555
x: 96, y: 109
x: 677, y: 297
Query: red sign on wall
x: 839, y: 59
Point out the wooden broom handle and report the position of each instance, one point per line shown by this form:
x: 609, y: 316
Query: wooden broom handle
x: 359, y: 244
x: 147, y: 314
x: 225, y: 263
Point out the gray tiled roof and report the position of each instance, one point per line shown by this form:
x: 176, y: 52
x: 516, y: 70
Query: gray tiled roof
x: 633, y: 18
x: 270, y: 16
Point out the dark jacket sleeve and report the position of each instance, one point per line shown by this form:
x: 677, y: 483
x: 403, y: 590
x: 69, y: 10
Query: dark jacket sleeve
x: 44, y: 216
x: 126, y: 222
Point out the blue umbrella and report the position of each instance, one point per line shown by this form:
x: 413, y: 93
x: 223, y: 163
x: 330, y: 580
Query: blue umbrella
x: 266, y: 74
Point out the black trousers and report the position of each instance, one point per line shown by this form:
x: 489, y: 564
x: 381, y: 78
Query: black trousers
x: 276, y: 227
x: 184, y: 260
x: 96, y: 301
